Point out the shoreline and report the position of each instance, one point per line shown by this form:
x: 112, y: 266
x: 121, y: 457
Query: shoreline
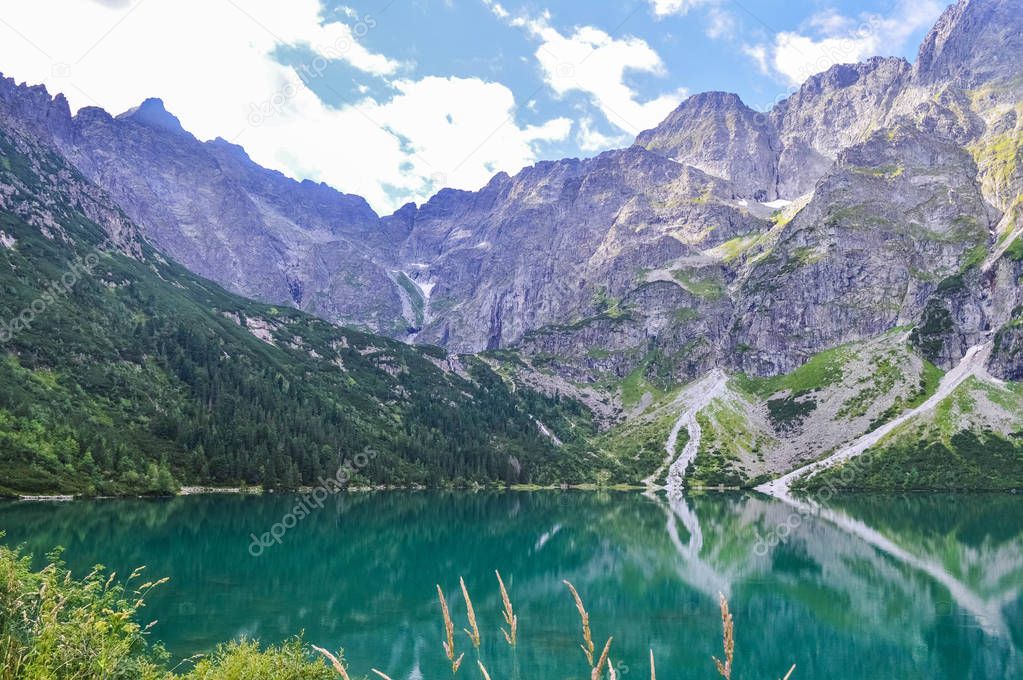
x: 260, y: 491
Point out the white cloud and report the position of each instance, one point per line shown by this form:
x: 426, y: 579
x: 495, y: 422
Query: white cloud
x: 832, y: 38
x: 592, y: 62
x: 830, y: 22
x: 758, y: 53
x: 663, y: 8
x: 797, y: 57
x: 212, y: 64
x: 447, y: 122
x: 721, y: 24
x: 499, y: 11
x: 592, y: 140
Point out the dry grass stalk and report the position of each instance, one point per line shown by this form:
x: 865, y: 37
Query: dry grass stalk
x: 728, y: 630
x: 449, y: 631
x: 474, y: 634
x: 334, y: 661
x: 599, y: 668
x: 653, y: 672
x: 587, y: 645
x: 791, y: 671
x: 511, y: 632
x: 483, y: 669
x: 385, y: 677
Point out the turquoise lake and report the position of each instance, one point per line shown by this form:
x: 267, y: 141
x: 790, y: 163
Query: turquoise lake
x: 920, y: 586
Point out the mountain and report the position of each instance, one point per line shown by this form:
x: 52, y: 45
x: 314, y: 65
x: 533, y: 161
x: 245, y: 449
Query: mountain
x: 847, y: 261
x: 443, y: 272
x: 211, y: 208
x: 125, y: 373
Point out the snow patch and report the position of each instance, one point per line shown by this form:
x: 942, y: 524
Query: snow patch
x: 778, y: 204
x: 425, y: 287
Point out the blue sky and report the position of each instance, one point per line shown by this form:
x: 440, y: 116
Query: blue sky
x: 394, y: 99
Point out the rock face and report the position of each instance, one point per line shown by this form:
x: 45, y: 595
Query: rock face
x: 1007, y: 360
x: 780, y: 154
x: 831, y: 112
x: 880, y: 194
x: 560, y: 242
x: 895, y: 216
x: 975, y: 43
x: 720, y: 135
x: 211, y: 208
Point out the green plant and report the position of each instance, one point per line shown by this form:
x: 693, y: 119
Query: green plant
x: 55, y: 626
x: 246, y: 659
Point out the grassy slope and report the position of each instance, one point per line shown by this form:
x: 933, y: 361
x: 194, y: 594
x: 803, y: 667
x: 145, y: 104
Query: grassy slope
x: 973, y: 440
x: 763, y: 426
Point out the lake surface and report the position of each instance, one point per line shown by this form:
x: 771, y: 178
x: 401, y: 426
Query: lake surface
x: 925, y: 586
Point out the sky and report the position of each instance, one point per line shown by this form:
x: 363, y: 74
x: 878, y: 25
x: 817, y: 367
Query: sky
x: 396, y: 99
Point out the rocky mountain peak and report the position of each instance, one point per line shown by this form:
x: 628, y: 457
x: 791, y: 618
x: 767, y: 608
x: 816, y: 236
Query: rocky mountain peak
x: 831, y: 111
x: 665, y: 138
x: 975, y: 42
x: 153, y: 113
x: 841, y: 76
x: 230, y: 148
x: 33, y: 109
x: 717, y: 133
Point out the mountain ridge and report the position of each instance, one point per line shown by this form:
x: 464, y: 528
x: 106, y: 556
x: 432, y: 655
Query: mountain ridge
x: 124, y: 373
x: 779, y: 155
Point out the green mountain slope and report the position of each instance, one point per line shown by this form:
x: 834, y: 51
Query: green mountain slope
x: 972, y: 440
x: 121, y: 372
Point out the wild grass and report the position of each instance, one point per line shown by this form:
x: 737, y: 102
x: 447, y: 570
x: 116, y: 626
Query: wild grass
x: 449, y: 631
x: 598, y: 670
x: 335, y: 662
x: 727, y: 642
x: 587, y: 644
x: 473, y: 631
x: 510, y: 633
